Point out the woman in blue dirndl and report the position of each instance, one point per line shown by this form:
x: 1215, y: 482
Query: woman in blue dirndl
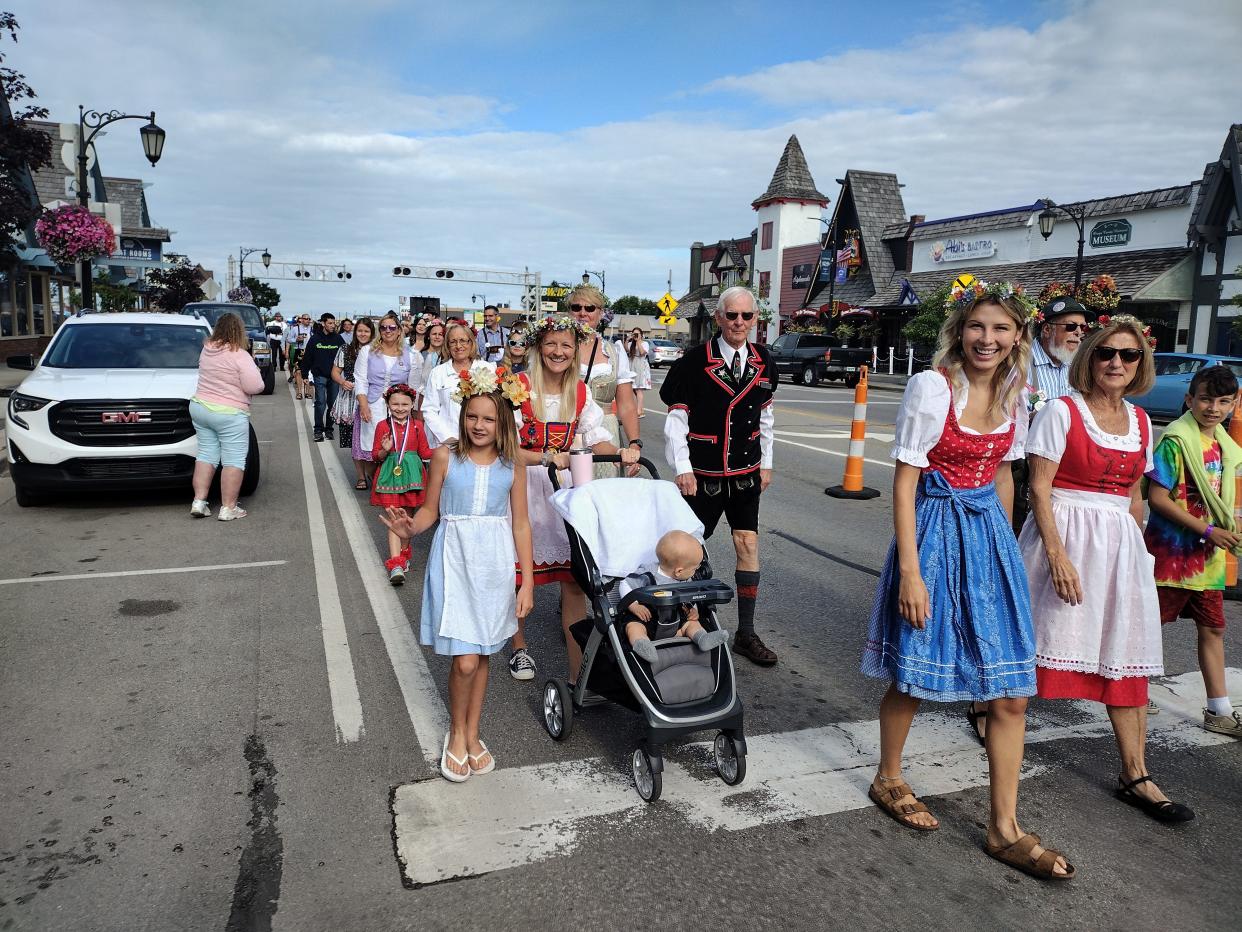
x: 952, y: 616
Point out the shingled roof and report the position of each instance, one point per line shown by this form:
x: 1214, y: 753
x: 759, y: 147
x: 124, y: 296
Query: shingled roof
x: 135, y: 220
x: 1214, y: 203
x: 1133, y: 272
x: 792, y: 179
x: 878, y: 203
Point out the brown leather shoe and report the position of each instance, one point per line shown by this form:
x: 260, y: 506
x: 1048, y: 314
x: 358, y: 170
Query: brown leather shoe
x: 749, y: 645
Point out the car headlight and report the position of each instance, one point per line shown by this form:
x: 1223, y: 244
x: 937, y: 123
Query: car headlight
x: 260, y: 347
x: 19, y: 403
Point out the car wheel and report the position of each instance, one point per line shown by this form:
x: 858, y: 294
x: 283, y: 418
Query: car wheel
x: 269, y: 380
x: 250, y: 481
x: 26, y: 498
x: 810, y: 376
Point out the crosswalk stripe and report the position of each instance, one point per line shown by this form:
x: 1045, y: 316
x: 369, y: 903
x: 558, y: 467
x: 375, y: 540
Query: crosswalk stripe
x: 522, y: 815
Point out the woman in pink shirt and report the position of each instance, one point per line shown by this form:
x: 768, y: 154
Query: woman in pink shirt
x: 220, y: 410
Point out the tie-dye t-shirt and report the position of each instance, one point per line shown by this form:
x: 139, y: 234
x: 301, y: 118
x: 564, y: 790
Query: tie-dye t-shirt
x: 1183, y: 561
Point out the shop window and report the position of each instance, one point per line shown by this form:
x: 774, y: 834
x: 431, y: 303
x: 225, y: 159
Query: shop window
x: 38, y: 304
x: 21, y: 309
x: 767, y: 236
x: 6, y: 305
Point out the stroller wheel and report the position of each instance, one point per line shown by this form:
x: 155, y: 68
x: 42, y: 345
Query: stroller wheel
x: 558, y: 709
x: 647, y: 779
x: 730, y: 763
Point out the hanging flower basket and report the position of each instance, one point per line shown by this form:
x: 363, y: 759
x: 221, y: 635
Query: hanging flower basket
x: 241, y: 295
x: 72, y: 234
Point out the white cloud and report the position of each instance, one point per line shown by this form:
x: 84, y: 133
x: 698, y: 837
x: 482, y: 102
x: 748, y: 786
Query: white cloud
x: 283, y: 132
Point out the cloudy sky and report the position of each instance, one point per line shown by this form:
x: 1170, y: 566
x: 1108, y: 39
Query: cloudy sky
x: 568, y: 135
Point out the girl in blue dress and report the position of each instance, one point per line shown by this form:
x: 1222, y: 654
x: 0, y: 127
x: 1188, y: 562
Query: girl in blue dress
x: 477, y: 492
x: 952, y: 616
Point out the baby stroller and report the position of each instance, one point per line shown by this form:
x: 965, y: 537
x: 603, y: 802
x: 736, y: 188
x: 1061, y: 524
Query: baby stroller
x: 686, y: 690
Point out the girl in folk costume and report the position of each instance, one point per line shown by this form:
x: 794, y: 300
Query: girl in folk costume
x: 558, y: 411
x: 386, y: 362
x: 347, y: 405
x: 952, y: 619
x: 1093, y: 588
x: 400, y: 448
x: 477, y: 491
x: 606, y: 371
x: 440, y: 410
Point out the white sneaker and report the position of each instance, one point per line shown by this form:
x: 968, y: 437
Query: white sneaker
x: 396, y: 575
x: 231, y: 514
x: 1223, y: 724
x: 1152, y: 708
x: 521, y: 666
x: 200, y: 508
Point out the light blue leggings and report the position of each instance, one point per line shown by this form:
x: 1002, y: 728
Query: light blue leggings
x: 223, y: 439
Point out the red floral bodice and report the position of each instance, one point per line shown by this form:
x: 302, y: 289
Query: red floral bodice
x: 548, y: 436
x: 967, y: 461
x: 1088, y: 467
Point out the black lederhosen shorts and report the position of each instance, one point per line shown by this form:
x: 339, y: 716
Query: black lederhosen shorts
x: 737, y: 498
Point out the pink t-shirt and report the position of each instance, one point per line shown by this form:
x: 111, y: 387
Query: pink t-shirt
x: 227, y: 377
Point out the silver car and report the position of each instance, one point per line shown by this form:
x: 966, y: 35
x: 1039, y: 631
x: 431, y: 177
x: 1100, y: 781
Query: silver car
x: 663, y: 353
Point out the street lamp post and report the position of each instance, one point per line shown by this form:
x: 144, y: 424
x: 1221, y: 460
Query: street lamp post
x: 152, y: 148
x: 603, y: 284
x: 242, y: 252
x: 1076, y: 213
x: 476, y: 297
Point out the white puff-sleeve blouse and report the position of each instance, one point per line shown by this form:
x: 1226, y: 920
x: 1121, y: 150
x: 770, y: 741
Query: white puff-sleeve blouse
x: 1050, y: 430
x: 924, y: 412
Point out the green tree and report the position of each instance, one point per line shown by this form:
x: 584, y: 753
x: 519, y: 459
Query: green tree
x: 22, y: 148
x: 113, y: 297
x: 924, y: 328
x: 632, y: 304
x: 172, y: 289
x: 265, y: 296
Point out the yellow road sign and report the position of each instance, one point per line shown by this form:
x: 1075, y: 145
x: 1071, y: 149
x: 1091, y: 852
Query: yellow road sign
x: 964, y: 281
x: 667, y: 304
x: 668, y: 320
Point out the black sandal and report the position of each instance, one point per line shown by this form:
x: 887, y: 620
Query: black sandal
x: 362, y: 485
x: 973, y: 716
x: 1166, y: 811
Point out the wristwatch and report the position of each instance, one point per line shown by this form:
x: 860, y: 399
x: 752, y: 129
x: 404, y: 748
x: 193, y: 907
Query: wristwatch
x: 636, y: 443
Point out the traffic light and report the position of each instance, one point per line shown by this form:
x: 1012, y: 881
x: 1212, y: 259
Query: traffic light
x: 344, y: 276
x: 301, y: 273
x: 400, y: 270
x: 444, y: 273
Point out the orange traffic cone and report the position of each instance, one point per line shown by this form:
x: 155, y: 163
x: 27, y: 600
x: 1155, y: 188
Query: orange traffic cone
x: 852, y: 484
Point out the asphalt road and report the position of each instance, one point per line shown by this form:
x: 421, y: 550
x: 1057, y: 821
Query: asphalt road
x: 229, y: 726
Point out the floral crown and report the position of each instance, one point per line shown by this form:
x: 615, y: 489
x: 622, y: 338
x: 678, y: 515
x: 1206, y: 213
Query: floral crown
x: 481, y: 379
x: 559, y: 322
x: 968, y: 290
x: 399, y: 389
x: 1106, y: 320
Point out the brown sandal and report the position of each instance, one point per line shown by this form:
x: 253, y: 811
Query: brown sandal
x: 889, y: 802
x: 1018, y: 855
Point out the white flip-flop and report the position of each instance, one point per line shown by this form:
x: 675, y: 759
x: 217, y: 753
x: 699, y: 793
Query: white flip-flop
x: 491, y: 764
x: 451, y: 775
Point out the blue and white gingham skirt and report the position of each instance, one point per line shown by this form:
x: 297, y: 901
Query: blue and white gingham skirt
x: 979, y: 643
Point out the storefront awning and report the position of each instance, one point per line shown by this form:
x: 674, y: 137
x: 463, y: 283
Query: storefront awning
x: 1136, y: 272
x: 34, y: 256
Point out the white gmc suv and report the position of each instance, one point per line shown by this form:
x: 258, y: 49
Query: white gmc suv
x: 107, y: 407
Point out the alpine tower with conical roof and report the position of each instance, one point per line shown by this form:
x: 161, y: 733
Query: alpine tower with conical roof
x: 788, y: 215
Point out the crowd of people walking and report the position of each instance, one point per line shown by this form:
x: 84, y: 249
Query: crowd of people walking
x: 1023, y: 412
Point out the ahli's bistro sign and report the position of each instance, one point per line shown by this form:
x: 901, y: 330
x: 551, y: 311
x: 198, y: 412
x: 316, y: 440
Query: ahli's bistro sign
x: 961, y: 250
x: 1108, y: 233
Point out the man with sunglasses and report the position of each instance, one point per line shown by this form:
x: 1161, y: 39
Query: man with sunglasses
x: 719, y: 438
x: 1065, y: 323
x: 491, y: 339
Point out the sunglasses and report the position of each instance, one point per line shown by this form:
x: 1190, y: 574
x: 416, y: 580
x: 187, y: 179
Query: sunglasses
x: 517, y: 343
x: 734, y: 315
x: 389, y: 328
x: 1106, y: 354
x: 580, y: 308
x: 1071, y: 327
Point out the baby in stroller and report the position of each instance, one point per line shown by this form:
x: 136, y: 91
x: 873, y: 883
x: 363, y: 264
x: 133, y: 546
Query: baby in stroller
x: 678, y: 556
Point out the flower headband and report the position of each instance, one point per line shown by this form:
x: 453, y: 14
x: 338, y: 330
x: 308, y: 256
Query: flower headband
x: 1106, y: 320
x: 399, y: 389
x: 481, y: 379
x: 557, y: 323
x: 968, y: 291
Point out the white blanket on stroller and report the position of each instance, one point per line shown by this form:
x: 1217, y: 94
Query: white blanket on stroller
x: 620, y: 520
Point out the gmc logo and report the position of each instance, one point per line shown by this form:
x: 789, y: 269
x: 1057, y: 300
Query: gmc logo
x: 126, y: 417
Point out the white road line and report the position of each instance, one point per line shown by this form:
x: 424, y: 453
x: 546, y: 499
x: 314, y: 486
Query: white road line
x: 342, y: 683
x: 833, y: 435
x: 426, y: 709
x: 528, y: 814
x: 62, y: 577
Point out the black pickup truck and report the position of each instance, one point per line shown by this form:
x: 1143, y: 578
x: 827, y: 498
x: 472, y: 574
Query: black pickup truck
x: 809, y: 357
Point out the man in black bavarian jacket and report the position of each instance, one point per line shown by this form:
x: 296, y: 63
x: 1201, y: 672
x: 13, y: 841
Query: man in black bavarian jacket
x: 718, y: 436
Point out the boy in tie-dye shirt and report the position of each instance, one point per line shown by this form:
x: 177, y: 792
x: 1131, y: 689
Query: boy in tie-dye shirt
x: 1191, y: 527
